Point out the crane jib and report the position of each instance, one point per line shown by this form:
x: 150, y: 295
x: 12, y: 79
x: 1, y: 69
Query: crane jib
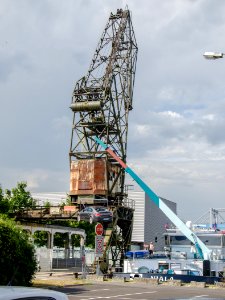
x: 201, y: 248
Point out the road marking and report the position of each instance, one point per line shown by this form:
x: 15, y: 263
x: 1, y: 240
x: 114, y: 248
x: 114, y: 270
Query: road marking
x: 131, y: 294
x: 98, y: 290
x: 201, y: 296
x: 90, y: 291
x: 120, y: 296
x: 75, y: 294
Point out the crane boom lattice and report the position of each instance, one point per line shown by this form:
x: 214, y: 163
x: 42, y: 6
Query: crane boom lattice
x: 102, y: 99
x: 101, y: 102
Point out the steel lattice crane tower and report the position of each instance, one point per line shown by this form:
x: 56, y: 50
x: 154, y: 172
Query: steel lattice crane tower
x: 101, y: 102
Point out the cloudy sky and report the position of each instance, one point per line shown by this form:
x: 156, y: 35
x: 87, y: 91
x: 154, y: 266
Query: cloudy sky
x: 177, y: 127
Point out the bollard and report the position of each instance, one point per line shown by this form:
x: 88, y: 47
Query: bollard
x: 105, y: 278
x: 125, y: 279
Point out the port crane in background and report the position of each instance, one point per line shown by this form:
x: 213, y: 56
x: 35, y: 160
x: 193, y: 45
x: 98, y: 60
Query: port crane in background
x: 203, y: 251
x: 101, y: 102
x: 212, y: 217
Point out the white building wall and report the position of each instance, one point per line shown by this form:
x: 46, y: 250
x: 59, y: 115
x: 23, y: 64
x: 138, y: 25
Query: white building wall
x: 138, y: 223
x: 155, y: 221
x: 149, y: 221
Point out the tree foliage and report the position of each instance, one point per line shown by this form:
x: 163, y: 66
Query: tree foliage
x: 17, y: 260
x: 18, y: 198
x: 12, y: 201
x: 90, y: 233
x: 59, y: 239
x: 4, y: 203
x: 40, y: 238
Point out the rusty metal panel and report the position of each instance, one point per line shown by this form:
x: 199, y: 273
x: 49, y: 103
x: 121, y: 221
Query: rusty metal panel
x: 88, y: 177
x: 85, y: 168
x: 99, y: 182
x: 74, y: 175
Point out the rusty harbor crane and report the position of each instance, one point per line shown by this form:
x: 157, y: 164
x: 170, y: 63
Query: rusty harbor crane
x: 101, y: 102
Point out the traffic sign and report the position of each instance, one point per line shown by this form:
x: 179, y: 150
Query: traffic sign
x: 99, y: 245
x: 99, y: 229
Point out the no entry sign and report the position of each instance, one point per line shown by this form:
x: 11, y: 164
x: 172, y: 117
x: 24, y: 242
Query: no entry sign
x: 99, y: 229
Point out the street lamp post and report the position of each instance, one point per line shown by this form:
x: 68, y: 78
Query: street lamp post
x: 213, y: 55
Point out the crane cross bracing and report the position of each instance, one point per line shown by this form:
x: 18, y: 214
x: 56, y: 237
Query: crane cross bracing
x: 101, y: 102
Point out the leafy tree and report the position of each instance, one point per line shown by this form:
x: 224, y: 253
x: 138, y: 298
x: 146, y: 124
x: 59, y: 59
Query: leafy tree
x: 89, y: 230
x: 66, y: 202
x: 47, y: 204
x: 12, y: 201
x: 40, y: 238
x: 19, y: 198
x: 17, y: 260
x: 4, y: 204
x: 60, y: 239
x: 90, y: 233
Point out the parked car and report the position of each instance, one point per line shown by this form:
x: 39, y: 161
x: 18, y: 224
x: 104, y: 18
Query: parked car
x: 95, y: 214
x: 16, y: 293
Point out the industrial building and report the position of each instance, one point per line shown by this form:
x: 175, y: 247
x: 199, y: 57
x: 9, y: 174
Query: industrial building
x: 149, y: 221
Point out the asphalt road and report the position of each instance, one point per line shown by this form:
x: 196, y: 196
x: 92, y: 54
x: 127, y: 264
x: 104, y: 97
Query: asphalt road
x: 129, y: 291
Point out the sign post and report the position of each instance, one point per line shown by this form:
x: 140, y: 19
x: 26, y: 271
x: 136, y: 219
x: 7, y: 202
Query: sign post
x: 99, y: 240
x: 99, y: 243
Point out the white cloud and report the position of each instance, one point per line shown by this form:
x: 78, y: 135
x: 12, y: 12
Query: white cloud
x: 210, y: 117
x: 37, y: 179
x: 195, y: 186
x: 167, y: 93
x: 170, y: 114
x: 142, y: 130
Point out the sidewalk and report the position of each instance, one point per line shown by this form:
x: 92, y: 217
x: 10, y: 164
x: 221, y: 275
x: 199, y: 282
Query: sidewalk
x: 58, y: 278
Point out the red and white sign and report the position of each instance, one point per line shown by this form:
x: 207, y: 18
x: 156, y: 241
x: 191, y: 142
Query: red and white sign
x: 99, y: 245
x: 70, y: 208
x: 99, y: 229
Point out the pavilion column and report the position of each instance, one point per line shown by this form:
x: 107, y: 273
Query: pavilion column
x: 67, y: 245
x: 50, y: 241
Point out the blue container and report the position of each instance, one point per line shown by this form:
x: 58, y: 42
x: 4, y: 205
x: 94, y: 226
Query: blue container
x: 137, y: 254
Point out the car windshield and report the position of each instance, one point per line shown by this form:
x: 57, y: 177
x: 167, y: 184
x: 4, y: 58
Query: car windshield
x: 101, y: 209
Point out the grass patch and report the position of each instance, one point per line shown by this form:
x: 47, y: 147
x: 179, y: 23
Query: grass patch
x: 57, y: 282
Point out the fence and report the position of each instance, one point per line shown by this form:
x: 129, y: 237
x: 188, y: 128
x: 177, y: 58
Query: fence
x: 60, y: 258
